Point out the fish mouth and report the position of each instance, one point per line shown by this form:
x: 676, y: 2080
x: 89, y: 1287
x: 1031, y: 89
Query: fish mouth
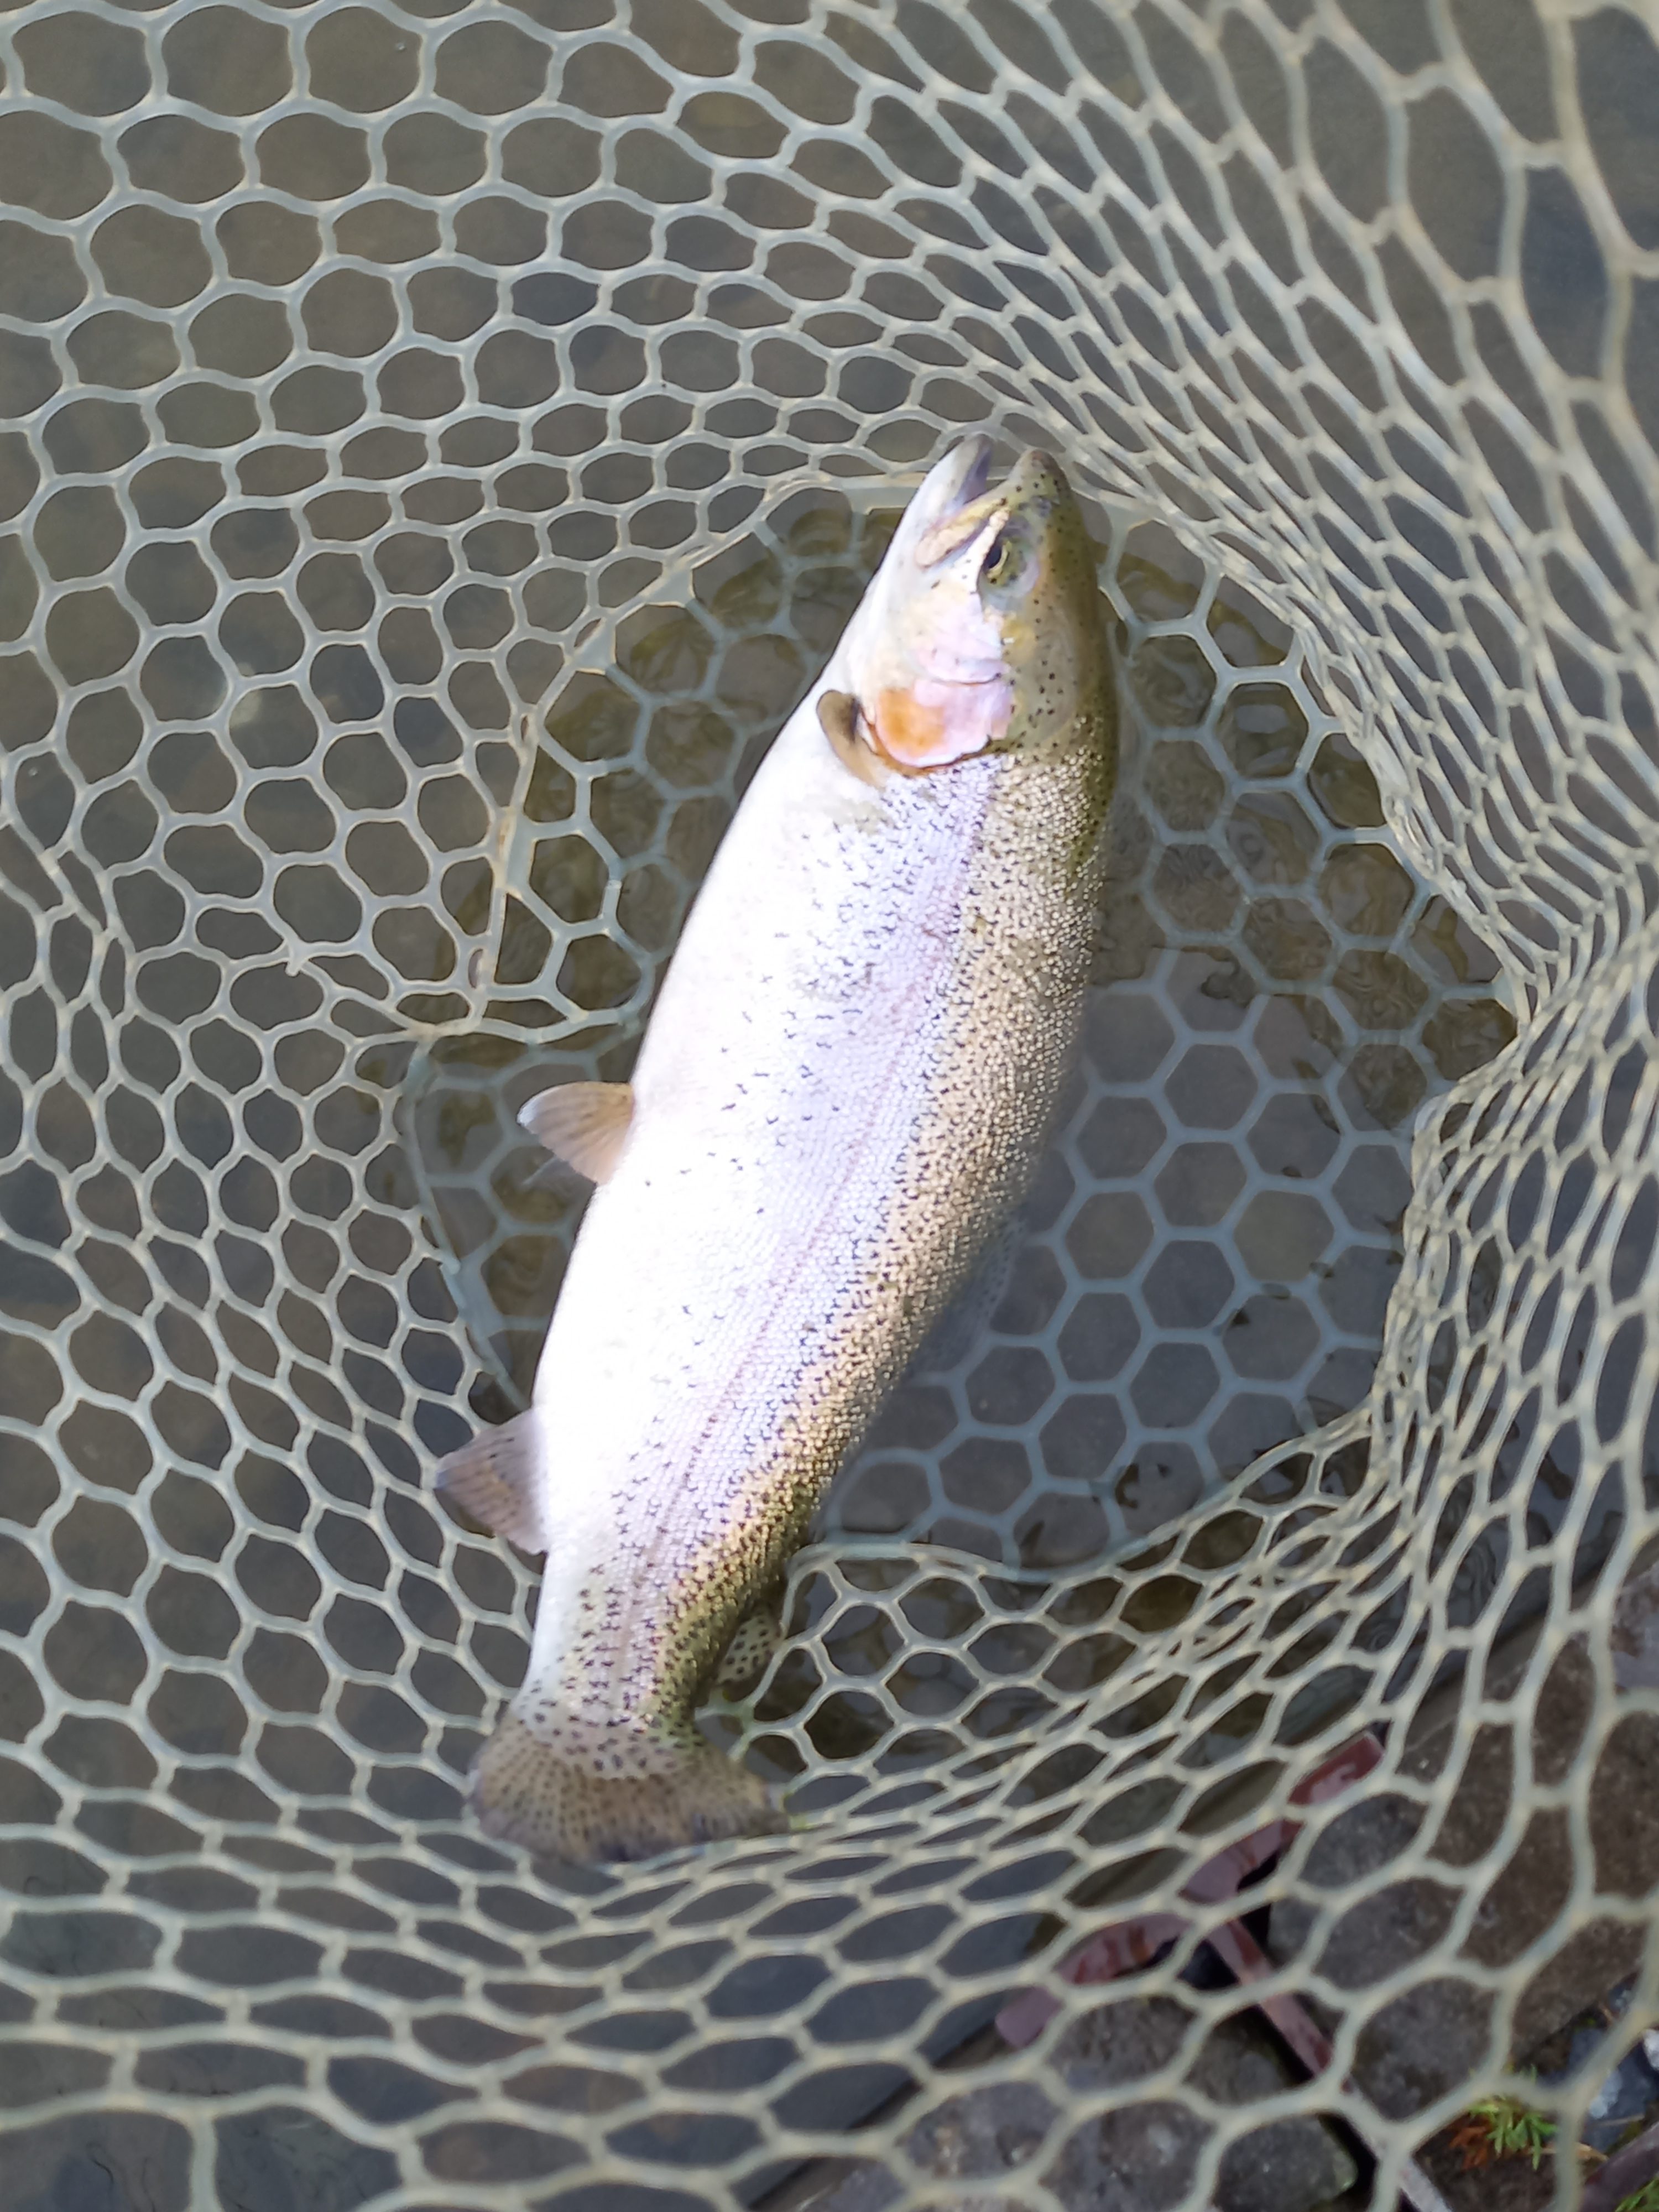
x: 956, y: 505
x: 960, y: 478
x: 963, y: 510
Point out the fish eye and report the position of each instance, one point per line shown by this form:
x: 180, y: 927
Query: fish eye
x: 1004, y: 562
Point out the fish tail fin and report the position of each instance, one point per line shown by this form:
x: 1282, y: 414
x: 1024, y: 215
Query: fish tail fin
x: 524, y: 1791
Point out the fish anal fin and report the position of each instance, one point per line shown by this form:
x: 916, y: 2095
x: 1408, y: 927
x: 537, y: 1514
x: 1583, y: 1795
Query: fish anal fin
x: 965, y: 1320
x: 525, y: 1791
x: 496, y: 1479
x: 585, y: 1124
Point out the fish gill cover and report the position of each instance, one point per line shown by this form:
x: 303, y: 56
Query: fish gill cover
x: 441, y: 449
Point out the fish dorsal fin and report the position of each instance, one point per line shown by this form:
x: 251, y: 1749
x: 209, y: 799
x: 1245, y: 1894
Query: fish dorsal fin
x: 583, y: 1123
x: 496, y: 1479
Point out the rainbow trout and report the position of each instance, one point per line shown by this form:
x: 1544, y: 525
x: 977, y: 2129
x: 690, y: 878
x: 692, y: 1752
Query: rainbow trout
x: 845, y: 1086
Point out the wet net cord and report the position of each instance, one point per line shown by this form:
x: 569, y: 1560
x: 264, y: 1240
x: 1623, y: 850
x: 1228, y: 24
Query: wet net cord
x: 439, y: 449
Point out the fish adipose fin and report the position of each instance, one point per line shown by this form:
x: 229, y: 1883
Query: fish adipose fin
x: 525, y: 1792
x: 585, y: 1124
x: 497, y: 1480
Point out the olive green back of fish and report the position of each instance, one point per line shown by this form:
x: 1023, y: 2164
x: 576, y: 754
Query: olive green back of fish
x: 1055, y: 640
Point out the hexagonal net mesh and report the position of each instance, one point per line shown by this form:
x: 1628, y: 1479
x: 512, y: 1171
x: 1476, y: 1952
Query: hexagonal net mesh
x: 442, y: 446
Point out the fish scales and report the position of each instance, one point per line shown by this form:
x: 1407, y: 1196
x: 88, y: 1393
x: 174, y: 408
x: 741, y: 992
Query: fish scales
x: 845, y: 1084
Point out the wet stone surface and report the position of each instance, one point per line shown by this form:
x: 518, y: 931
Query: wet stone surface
x: 1440, y: 2031
x: 1139, y: 2156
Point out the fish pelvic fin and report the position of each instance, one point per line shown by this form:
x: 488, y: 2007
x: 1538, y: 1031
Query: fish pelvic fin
x: 749, y: 1654
x: 496, y: 1479
x: 584, y: 1124
x: 525, y: 1791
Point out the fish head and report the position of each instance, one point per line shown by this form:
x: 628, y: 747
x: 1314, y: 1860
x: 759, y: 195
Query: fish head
x: 983, y: 631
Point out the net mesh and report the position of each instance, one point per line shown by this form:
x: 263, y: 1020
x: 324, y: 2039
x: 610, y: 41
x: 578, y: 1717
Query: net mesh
x: 442, y: 446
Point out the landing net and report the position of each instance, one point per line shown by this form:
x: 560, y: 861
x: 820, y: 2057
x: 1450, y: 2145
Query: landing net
x: 441, y: 447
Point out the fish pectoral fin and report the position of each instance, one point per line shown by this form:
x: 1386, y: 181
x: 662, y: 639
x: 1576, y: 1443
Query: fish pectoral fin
x: 496, y: 1479
x: 585, y: 1124
x: 839, y: 719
